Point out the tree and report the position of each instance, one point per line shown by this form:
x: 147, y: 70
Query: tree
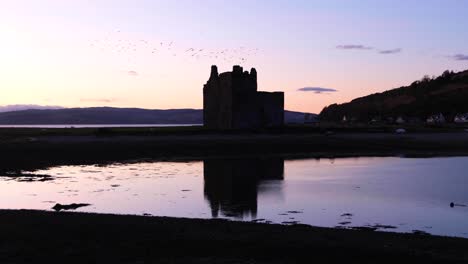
x: 426, y: 79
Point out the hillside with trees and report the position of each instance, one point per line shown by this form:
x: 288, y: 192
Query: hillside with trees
x: 446, y: 95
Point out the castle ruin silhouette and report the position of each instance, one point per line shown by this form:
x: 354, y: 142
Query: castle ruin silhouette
x: 231, y: 101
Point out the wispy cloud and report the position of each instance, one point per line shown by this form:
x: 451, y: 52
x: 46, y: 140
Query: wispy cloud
x: 460, y: 57
x: 364, y: 47
x: 391, y: 51
x: 98, y: 100
x: 132, y: 73
x: 354, y: 47
x: 317, y: 90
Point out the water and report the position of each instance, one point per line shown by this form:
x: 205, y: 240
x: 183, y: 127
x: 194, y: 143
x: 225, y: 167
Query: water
x: 97, y: 126
x: 402, y: 194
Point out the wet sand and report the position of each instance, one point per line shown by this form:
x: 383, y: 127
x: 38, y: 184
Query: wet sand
x: 40, y: 237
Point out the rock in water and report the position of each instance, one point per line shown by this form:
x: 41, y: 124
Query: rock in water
x: 59, y: 207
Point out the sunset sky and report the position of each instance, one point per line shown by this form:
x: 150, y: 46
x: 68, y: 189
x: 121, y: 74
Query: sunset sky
x: 157, y: 54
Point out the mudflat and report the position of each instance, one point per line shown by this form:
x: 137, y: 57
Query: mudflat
x: 77, y: 146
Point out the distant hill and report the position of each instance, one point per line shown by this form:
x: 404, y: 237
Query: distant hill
x: 19, y: 107
x: 109, y: 115
x: 446, y: 94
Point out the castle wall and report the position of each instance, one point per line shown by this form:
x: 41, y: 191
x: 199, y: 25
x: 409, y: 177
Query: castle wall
x: 271, y: 108
x: 217, y: 101
x: 244, y: 103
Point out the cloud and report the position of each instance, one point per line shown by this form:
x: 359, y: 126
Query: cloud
x: 392, y: 51
x: 132, y: 73
x: 98, y: 100
x: 363, y: 47
x: 460, y: 57
x: 317, y: 90
x: 354, y: 47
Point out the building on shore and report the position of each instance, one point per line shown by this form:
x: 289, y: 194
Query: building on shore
x: 231, y: 101
x: 461, y: 118
x: 436, y: 119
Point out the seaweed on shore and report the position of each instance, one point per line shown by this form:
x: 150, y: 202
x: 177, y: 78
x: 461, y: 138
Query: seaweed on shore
x: 26, y: 177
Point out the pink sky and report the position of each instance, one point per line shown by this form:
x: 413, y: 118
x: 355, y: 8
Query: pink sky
x: 139, y: 53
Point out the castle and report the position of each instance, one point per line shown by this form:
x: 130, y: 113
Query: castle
x: 231, y: 101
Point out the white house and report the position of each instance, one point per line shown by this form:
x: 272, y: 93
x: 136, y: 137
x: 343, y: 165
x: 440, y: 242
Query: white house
x: 436, y: 119
x: 461, y: 118
x: 400, y: 120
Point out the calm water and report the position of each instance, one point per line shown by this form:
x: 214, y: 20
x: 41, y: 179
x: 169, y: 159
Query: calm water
x: 407, y: 194
x: 97, y: 126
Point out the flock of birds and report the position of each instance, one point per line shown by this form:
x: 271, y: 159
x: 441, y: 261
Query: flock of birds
x: 132, y: 48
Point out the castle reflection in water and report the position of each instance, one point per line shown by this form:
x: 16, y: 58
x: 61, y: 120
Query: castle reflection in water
x: 231, y: 186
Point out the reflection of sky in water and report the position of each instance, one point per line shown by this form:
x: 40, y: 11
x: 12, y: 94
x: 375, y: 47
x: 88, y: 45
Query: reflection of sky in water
x: 409, y: 194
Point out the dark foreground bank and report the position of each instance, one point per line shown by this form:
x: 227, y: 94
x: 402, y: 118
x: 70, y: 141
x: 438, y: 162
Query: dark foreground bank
x: 35, y: 148
x: 48, y: 237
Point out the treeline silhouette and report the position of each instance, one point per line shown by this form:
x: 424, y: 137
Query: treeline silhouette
x: 446, y: 94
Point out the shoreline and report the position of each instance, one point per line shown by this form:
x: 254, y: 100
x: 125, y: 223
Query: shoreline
x: 35, y: 149
x: 76, y: 237
x: 44, y: 236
